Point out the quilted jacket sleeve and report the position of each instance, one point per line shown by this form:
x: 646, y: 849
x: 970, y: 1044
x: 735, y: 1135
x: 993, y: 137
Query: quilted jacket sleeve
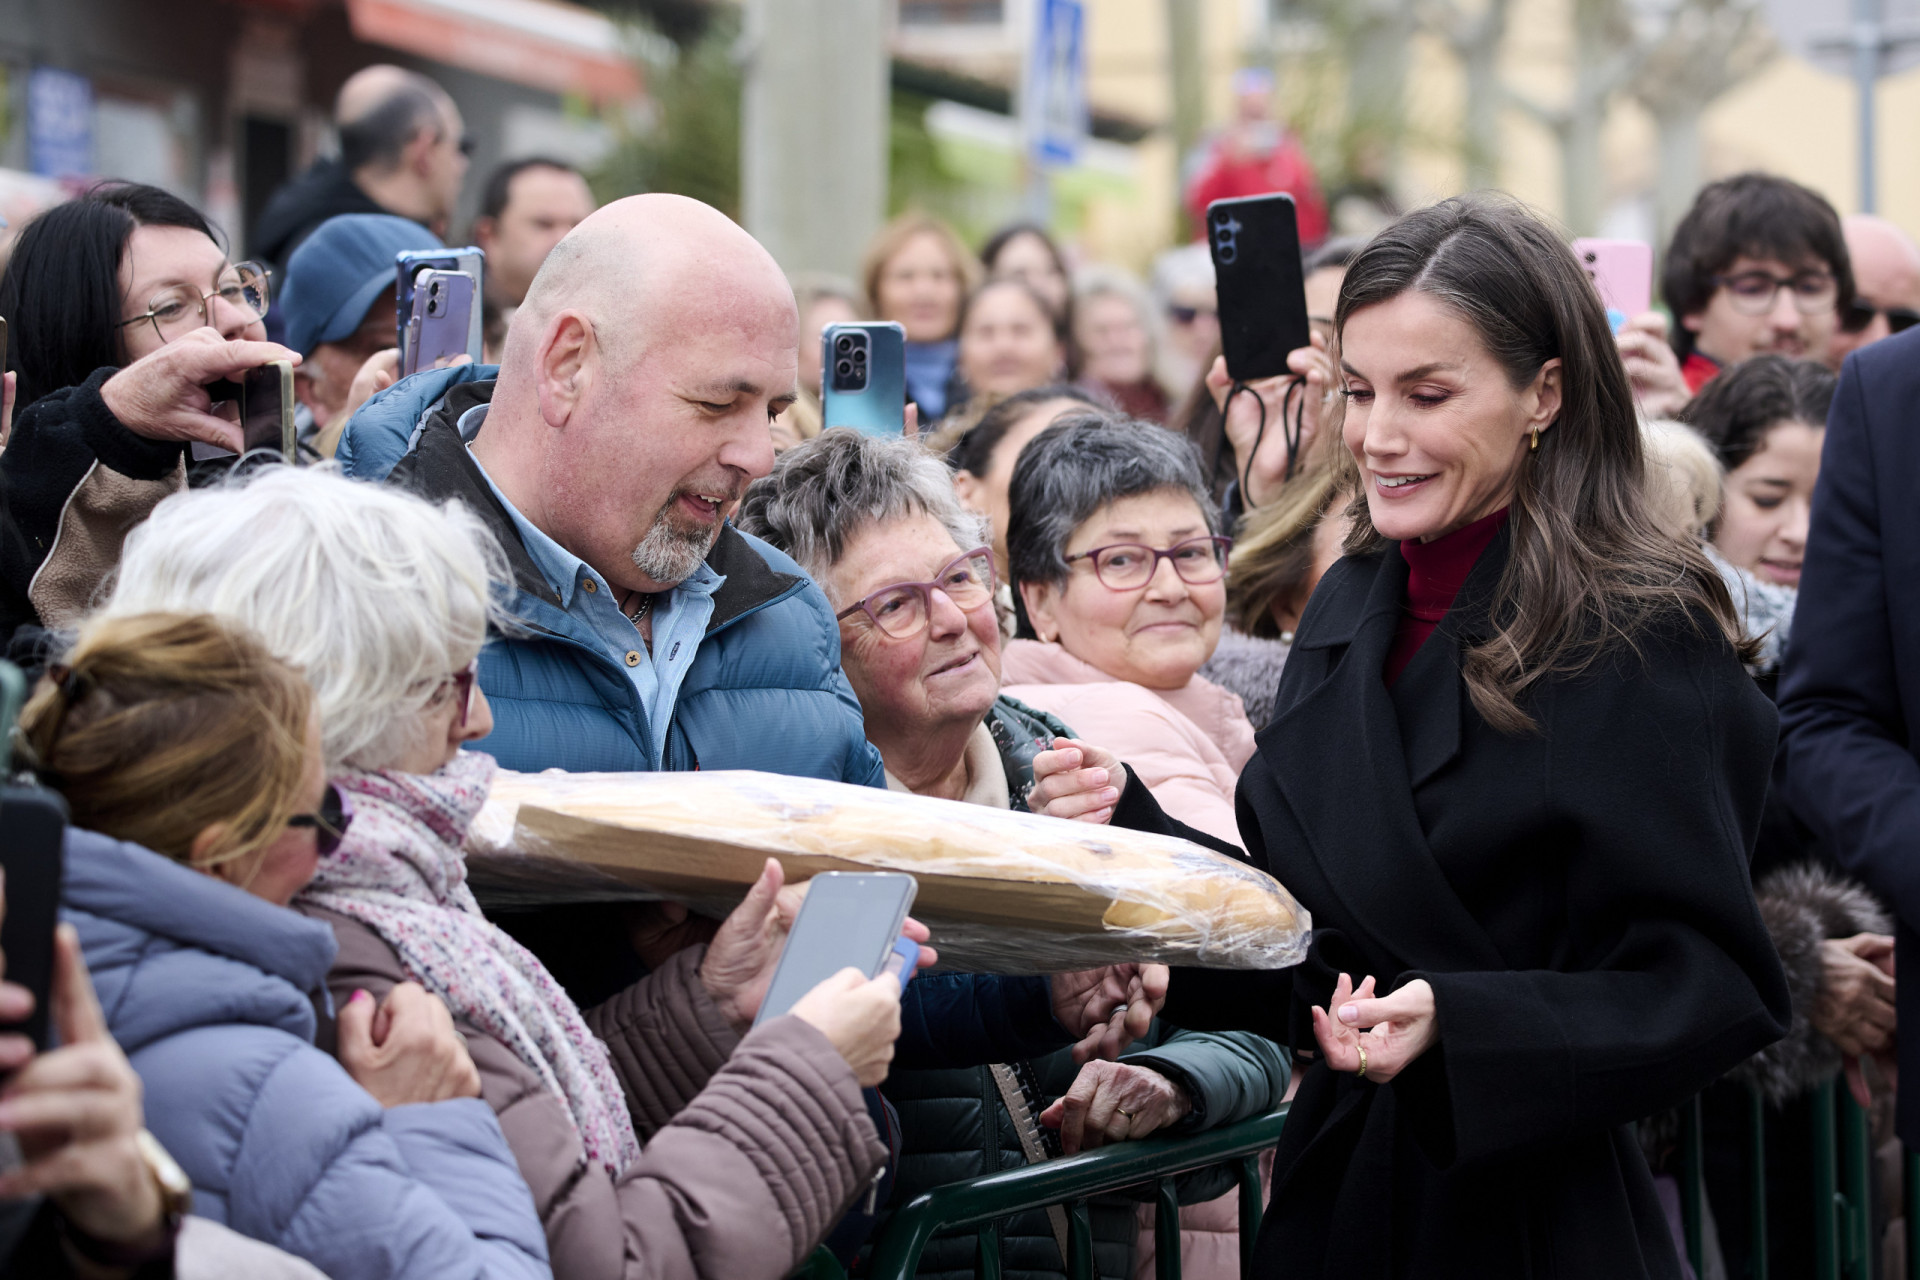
x: 314, y: 1166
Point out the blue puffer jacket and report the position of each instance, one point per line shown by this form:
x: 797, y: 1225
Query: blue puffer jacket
x: 765, y: 690
x: 210, y: 992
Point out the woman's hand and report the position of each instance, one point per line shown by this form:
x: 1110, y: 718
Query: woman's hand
x: 1311, y: 365
x: 163, y: 395
x: 861, y: 1016
x: 1652, y: 368
x: 76, y: 1112
x: 1394, y: 1029
x: 1108, y: 1009
x: 1076, y: 780
x: 745, y: 951
x: 1112, y: 1102
x: 407, y: 1050
x: 1855, y: 1008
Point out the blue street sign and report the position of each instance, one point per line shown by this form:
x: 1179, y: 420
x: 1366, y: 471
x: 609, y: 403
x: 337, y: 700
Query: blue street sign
x: 1053, y: 99
x: 59, y: 122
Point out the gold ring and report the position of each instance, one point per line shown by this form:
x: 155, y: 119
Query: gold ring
x: 1362, y: 1072
x: 1127, y: 1114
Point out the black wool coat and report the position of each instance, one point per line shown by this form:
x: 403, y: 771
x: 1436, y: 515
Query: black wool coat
x: 1578, y: 898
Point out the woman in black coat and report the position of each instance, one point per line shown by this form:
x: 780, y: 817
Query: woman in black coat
x: 1515, y: 773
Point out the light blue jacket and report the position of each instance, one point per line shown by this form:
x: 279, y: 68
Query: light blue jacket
x: 210, y: 991
x: 765, y: 690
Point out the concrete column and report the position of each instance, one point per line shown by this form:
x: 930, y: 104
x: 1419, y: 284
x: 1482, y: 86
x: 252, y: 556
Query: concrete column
x: 814, y: 124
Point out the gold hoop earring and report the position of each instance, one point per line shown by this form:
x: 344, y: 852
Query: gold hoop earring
x: 1535, y: 446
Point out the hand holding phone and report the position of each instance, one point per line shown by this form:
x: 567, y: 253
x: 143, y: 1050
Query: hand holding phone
x: 849, y: 920
x: 860, y: 1016
x: 33, y: 825
x: 408, y: 268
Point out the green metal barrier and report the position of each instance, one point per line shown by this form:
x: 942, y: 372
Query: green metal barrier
x: 1841, y: 1185
x: 984, y: 1203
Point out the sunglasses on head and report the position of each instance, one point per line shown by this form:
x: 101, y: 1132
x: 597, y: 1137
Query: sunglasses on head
x: 1859, y: 314
x: 330, y: 823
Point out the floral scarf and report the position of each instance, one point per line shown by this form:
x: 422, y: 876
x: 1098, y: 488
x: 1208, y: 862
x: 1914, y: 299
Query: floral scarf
x: 401, y: 872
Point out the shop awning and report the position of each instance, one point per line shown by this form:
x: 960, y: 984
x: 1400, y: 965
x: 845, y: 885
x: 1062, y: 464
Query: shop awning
x: 544, y: 44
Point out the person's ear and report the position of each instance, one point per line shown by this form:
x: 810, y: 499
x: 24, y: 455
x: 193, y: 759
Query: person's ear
x: 306, y: 389
x: 1693, y: 322
x: 202, y: 848
x: 483, y: 230
x: 563, y: 366
x: 1043, y: 604
x: 1546, y: 396
x: 418, y: 157
x: 969, y: 488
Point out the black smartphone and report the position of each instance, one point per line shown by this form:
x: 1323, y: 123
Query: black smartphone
x: 33, y: 824
x: 266, y: 410
x: 849, y: 920
x: 1255, y: 242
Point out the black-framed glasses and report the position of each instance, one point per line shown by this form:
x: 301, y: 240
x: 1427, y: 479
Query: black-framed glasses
x: 330, y: 823
x: 1752, y: 292
x: 902, y: 609
x: 1860, y: 313
x: 1129, y: 566
x: 180, y: 309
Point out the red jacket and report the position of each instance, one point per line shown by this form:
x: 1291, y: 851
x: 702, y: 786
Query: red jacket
x: 1285, y: 168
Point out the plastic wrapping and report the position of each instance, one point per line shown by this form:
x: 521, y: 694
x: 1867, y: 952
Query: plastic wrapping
x: 1003, y: 892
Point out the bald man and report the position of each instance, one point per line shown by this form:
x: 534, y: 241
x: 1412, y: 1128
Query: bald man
x: 629, y: 413
x: 403, y: 150
x: 1886, y: 285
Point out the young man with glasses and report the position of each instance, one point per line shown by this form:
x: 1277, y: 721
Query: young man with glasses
x: 1758, y: 265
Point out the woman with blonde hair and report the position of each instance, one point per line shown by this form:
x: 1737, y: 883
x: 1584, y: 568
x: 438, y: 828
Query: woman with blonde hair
x: 918, y: 274
x: 190, y: 760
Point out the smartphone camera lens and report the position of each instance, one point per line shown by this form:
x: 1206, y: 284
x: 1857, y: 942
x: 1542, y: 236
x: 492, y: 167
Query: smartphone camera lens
x: 845, y: 344
x: 844, y: 368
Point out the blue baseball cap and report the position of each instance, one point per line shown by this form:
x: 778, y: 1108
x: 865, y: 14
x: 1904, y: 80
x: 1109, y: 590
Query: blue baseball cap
x: 340, y: 270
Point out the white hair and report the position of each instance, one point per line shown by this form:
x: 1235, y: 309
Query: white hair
x: 1684, y: 477
x: 376, y: 595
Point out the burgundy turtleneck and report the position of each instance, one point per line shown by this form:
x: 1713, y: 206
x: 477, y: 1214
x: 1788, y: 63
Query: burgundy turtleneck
x: 1435, y: 573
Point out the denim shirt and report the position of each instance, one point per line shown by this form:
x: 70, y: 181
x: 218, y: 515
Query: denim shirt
x: 680, y: 616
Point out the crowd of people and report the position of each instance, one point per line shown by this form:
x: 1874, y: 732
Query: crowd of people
x: 1482, y: 664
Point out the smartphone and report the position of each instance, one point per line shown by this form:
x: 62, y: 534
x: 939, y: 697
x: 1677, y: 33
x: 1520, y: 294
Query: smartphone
x: 407, y: 269
x: 1622, y: 270
x: 1255, y: 242
x: 863, y: 381
x: 438, y: 329
x: 266, y: 410
x: 849, y: 920
x: 33, y: 824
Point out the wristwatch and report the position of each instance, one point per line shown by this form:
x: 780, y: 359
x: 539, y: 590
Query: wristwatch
x: 176, y: 1199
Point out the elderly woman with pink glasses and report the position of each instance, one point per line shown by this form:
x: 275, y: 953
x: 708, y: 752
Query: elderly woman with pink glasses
x: 910, y: 573
x: 1113, y: 545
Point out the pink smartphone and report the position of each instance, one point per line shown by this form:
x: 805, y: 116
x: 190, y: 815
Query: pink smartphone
x: 1622, y: 270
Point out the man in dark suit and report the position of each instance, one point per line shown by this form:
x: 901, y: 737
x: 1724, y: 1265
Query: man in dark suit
x: 1850, y: 693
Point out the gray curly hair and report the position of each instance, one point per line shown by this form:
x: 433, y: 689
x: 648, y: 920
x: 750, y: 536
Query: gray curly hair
x: 823, y: 492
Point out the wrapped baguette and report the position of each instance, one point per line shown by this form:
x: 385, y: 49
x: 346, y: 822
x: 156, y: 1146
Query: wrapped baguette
x: 1002, y: 891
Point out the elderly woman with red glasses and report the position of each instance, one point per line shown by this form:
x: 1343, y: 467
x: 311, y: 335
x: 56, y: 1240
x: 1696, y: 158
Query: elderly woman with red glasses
x: 1113, y: 544
x: 910, y: 574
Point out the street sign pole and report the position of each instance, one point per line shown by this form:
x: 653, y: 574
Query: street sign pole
x: 1868, y: 44
x: 1053, y: 99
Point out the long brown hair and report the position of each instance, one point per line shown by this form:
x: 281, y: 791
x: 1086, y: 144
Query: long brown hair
x: 1590, y: 568
x: 1273, y: 549
x: 161, y: 725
